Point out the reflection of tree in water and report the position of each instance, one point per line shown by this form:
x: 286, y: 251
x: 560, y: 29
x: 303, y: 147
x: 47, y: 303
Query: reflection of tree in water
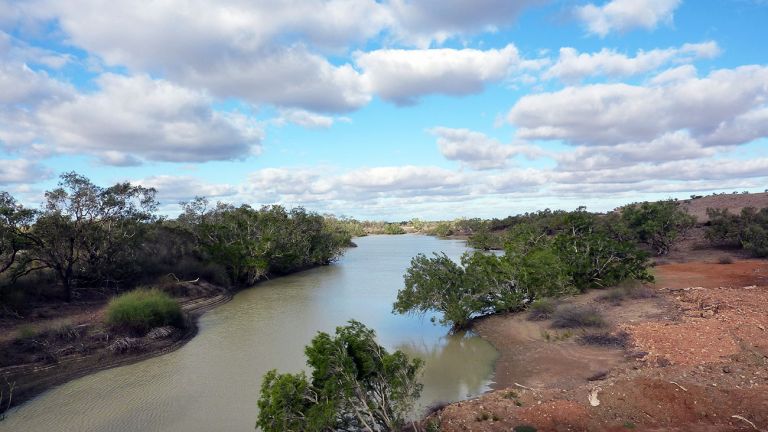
x: 457, y: 366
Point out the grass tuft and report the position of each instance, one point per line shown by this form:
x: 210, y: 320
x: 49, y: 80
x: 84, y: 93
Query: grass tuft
x: 141, y: 310
x: 725, y: 260
x: 541, y: 309
x: 575, y: 317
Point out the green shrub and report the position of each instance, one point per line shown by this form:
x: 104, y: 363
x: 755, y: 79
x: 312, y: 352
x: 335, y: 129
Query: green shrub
x: 748, y: 230
x: 140, y: 310
x: 354, y: 384
x: 541, y: 309
x: 575, y: 316
x: 657, y: 224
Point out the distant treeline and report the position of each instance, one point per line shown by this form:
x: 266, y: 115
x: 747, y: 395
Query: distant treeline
x: 89, y: 241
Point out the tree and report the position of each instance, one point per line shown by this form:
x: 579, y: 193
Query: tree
x: 355, y: 385
x: 546, y: 254
x: 86, y: 230
x: 748, y: 230
x: 594, y: 258
x: 441, y: 285
x: 657, y: 224
x: 253, y: 243
x: 14, y: 221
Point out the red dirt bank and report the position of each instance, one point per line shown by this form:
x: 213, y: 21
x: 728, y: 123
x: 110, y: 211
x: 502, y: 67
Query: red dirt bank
x: 698, y: 357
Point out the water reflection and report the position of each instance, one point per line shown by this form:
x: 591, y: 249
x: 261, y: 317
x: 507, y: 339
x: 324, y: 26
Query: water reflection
x: 458, y: 365
x: 213, y: 382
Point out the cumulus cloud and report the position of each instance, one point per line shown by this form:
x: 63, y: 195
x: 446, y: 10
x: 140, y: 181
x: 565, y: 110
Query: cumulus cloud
x: 477, y: 150
x: 325, y: 186
x: 183, y: 188
x: 232, y: 48
x: 22, y: 171
x: 426, y: 21
x: 709, y: 109
x: 20, y: 85
x: 402, y: 76
x: 167, y: 123
x: 624, y: 15
x: 401, y: 178
x: 573, y: 66
x: 306, y: 119
x: 669, y: 147
x: 275, y: 52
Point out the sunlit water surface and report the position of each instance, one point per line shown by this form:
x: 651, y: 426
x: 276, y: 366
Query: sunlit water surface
x: 212, y: 383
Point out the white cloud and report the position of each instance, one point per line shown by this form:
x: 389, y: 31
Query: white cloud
x: 478, y: 150
x: 669, y: 147
x: 401, y: 178
x: 402, y: 76
x: 624, y: 15
x: 167, y: 123
x: 20, y: 85
x: 304, y: 118
x: 573, y: 66
x: 22, y: 171
x: 423, y: 22
x: 680, y: 73
x: 274, y: 52
x: 184, y: 188
x: 610, y: 114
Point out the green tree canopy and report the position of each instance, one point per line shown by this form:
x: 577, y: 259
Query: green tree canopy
x: 354, y: 385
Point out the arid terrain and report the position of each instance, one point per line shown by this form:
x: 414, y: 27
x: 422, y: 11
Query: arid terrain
x: 691, y: 357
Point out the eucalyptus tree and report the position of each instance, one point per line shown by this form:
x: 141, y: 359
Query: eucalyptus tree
x: 88, y: 232
x: 14, y: 222
x: 354, y: 385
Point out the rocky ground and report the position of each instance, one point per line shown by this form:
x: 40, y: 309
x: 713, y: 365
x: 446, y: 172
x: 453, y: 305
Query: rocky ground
x: 695, y: 359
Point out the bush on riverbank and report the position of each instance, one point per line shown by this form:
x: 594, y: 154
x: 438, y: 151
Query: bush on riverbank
x: 556, y: 254
x: 86, y: 241
x: 141, y: 310
x: 355, y: 384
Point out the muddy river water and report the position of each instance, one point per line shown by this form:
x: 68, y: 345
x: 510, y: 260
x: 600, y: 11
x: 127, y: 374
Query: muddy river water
x: 212, y: 383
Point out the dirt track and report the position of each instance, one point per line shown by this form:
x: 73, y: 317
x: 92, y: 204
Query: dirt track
x: 698, y: 356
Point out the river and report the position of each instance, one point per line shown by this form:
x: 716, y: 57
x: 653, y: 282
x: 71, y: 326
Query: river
x: 212, y: 383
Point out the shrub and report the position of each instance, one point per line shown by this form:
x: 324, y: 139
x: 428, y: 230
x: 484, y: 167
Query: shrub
x: 354, y: 384
x: 393, y: 229
x: 657, y: 224
x: 618, y: 294
x: 575, y: 316
x: 748, y: 230
x: 541, y: 309
x: 140, y: 310
x: 606, y: 339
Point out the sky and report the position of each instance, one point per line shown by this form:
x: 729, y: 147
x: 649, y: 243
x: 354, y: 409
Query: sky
x: 387, y: 109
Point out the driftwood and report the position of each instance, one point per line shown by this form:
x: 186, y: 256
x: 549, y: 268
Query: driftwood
x: 743, y: 419
x: 681, y: 387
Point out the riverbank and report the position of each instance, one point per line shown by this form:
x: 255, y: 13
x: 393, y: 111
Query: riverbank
x: 71, y: 342
x: 695, y: 357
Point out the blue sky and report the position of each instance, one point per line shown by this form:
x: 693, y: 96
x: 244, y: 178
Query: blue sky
x: 391, y: 109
